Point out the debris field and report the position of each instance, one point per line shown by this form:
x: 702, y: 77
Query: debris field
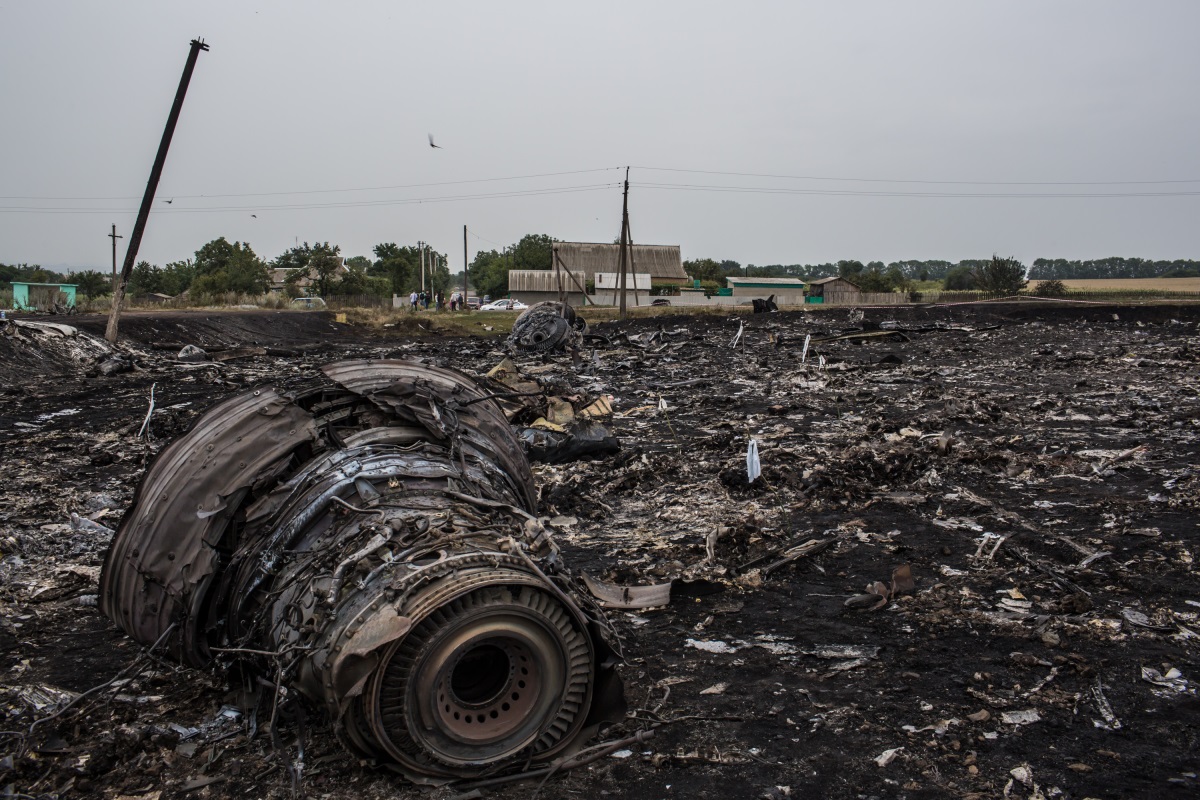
x: 964, y: 566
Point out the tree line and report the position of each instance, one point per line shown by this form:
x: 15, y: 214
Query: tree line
x: 876, y: 276
x: 221, y: 267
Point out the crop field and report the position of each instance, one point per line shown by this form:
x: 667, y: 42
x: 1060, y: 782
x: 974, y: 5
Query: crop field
x: 1129, y: 284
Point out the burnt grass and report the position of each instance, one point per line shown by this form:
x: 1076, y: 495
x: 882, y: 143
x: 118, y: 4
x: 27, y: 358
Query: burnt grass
x: 1036, y: 468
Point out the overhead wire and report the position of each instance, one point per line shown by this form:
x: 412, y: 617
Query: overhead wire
x: 916, y: 181
x: 299, y: 206
x: 323, y: 191
x: 896, y: 193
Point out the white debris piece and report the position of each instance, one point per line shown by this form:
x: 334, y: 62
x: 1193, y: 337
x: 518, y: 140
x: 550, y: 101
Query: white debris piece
x: 713, y: 646
x: 753, y: 467
x: 887, y: 756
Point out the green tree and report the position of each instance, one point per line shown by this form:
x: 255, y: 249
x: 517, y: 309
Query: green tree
x: 144, y: 278
x: 489, y: 269
x: 92, y: 283
x: 871, y: 280
x: 326, y: 263
x: 848, y: 269
x: 534, y: 251
x: 489, y: 273
x: 959, y: 279
x: 704, y: 269
x: 896, y: 279
x: 1001, y: 276
x: 224, y: 267
x: 319, y: 262
x: 395, y: 263
x: 177, y: 277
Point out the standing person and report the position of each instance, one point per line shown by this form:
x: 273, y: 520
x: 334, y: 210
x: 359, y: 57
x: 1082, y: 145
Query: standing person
x: 412, y: 301
x: 441, y: 301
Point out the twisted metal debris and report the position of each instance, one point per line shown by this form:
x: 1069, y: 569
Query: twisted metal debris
x: 547, y: 327
x: 378, y: 535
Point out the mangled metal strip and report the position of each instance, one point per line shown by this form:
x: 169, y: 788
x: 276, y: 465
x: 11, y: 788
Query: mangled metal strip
x: 400, y: 567
x: 368, y: 377
x: 611, y: 595
x: 150, y: 580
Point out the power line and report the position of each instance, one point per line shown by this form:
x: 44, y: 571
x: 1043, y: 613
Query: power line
x: 862, y: 193
x: 300, y: 206
x: 485, y: 239
x: 891, y: 180
x: 328, y: 191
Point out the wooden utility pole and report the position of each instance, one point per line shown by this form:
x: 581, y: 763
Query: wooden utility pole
x: 632, y: 265
x: 466, y: 267
x: 421, y: 250
x: 114, y: 238
x: 562, y: 295
x: 139, y: 227
x: 624, y: 239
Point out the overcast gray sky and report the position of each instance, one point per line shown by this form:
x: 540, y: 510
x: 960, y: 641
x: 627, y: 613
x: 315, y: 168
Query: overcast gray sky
x: 299, y: 98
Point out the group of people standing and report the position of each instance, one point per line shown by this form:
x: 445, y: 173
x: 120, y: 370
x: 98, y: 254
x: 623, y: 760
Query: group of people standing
x: 422, y: 300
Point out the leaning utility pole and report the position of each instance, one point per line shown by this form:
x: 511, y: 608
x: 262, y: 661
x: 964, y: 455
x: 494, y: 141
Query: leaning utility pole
x: 139, y: 227
x: 624, y: 238
x: 114, y: 237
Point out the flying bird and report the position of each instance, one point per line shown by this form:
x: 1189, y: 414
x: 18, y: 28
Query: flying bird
x: 431, y: 144
x: 254, y: 215
x: 168, y: 202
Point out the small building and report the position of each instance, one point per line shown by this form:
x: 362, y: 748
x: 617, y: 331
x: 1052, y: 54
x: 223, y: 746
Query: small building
x: 834, y: 290
x: 535, y: 285
x: 42, y: 296
x: 662, y: 262
x: 787, y: 291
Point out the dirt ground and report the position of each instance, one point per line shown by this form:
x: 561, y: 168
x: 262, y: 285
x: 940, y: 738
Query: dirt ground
x: 1035, y: 469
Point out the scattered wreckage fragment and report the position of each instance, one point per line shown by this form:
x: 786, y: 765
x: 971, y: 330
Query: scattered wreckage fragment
x: 377, y: 537
x: 547, y: 327
x: 556, y: 432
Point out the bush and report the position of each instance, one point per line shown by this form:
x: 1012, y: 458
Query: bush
x: 959, y: 279
x: 1051, y: 288
x: 1002, y: 276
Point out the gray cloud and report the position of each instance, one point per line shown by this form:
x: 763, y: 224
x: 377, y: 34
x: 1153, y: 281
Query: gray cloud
x: 300, y: 97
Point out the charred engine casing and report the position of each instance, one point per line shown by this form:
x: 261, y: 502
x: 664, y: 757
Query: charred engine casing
x: 378, y: 536
x: 547, y: 327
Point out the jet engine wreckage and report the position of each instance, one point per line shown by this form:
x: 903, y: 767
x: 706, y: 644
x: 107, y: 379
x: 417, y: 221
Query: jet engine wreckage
x: 372, y: 543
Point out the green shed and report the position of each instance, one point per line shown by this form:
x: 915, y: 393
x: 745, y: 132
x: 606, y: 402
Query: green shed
x: 42, y: 296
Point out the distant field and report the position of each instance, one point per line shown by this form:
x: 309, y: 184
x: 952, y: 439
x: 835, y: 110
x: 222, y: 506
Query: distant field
x: 1131, y: 284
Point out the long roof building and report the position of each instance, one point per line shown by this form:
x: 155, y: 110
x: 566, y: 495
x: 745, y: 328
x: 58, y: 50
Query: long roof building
x: 662, y: 262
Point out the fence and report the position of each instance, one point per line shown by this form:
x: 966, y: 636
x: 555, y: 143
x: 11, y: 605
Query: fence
x: 358, y: 301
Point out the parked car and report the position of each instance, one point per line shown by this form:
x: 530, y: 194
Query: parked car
x: 308, y: 303
x: 506, y: 304
x: 473, y: 303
